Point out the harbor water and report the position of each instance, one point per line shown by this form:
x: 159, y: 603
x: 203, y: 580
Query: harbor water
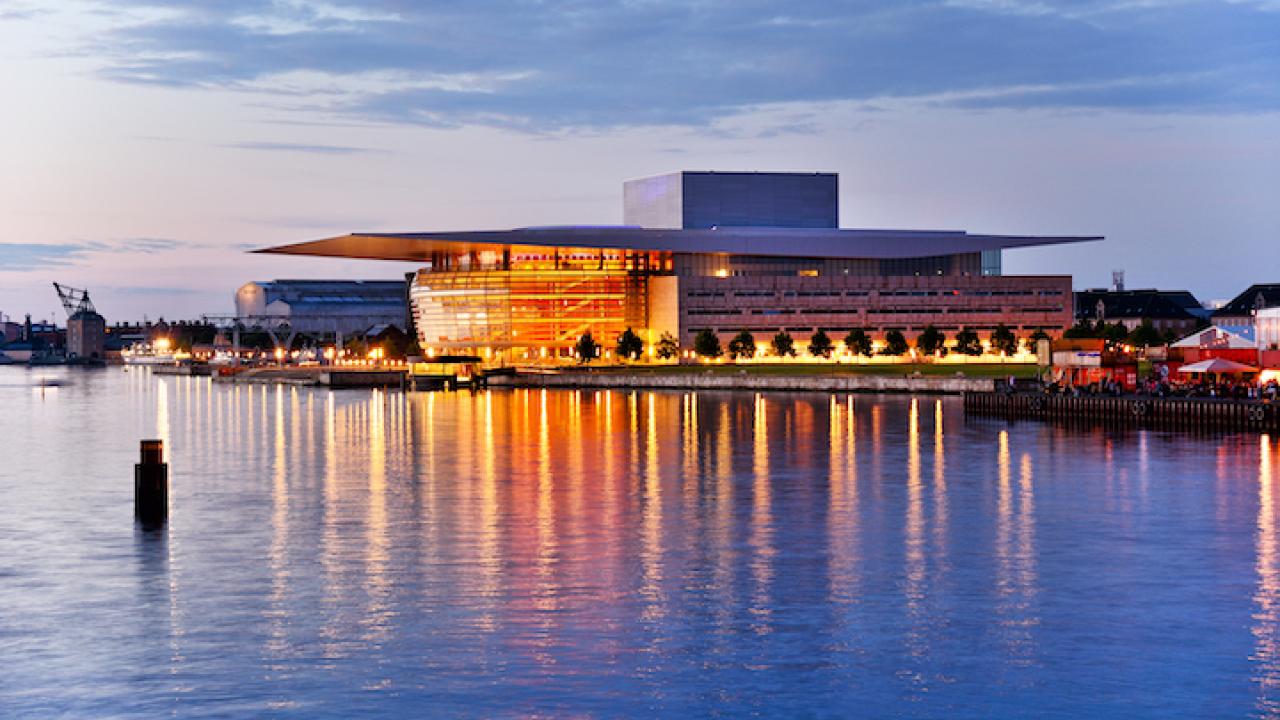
x: 569, y: 553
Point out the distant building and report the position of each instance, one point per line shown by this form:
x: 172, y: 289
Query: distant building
x: 1241, y: 309
x: 345, y: 306
x: 1268, y: 331
x: 1168, y: 310
x: 86, y: 336
x: 707, y: 251
x: 10, y: 331
x: 43, y: 335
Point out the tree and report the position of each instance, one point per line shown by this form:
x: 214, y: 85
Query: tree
x: 742, y: 346
x: 931, y: 340
x: 1003, y: 340
x: 895, y: 343
x: 1145, y: 335
x: 1033, y: 342
x: 588, y: 349
x: 707, y: 344
x: 667, y: 346
x: 1082, y: 329
x: 858, y: 342
x: 1117, y: 333
x: 967, y: 342
x: 820, y: 345
x: 783, y: 345
x: 630, y: 345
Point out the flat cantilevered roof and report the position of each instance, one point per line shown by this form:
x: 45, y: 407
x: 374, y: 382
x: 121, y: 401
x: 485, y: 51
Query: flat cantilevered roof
x: 773, y: 242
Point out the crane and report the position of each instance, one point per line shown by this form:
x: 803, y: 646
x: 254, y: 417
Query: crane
x: 74, y: 300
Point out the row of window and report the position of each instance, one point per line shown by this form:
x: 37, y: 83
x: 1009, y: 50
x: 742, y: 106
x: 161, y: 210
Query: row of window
x: 882, y: 293
x: 838, y: 333
x: 870, y: 311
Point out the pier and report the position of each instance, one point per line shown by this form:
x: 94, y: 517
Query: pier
x: 1172, y: 413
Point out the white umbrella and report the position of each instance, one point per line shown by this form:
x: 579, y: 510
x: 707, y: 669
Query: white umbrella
x: 1217, y: 365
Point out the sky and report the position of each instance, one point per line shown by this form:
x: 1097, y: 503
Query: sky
x: 146, y: 147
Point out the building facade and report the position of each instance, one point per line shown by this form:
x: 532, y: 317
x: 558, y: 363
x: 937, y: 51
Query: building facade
x: 723, y: 252
x: 86, y: 336
x: 325, y: 306
x: 1242, y: 309
x: 1175, y: 311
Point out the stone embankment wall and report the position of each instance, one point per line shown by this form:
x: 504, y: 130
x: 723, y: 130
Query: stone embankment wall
x: 694, y: 380
x: 1211, y: 414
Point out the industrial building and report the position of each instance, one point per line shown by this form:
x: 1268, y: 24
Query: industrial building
x: 344, y: 307
x: 724, y: 252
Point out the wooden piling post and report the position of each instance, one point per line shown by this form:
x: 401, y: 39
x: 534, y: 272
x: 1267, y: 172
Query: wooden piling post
x: 151, y: 484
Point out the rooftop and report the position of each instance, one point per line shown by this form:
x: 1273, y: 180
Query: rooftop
x: 772, y: 242
x: 1162, y: 304
x: 1258, y: 296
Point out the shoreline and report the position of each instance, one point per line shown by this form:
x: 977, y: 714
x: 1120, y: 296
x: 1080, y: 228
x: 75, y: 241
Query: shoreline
x: 705, y: 380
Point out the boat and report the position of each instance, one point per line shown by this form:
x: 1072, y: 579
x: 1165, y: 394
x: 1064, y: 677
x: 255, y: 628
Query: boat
x: 148, y: 354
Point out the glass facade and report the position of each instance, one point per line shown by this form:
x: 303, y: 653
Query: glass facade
x: 991, y: 263
x: 527, y: 312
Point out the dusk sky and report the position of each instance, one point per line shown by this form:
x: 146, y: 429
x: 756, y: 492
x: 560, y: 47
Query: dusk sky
x: 144, y: 147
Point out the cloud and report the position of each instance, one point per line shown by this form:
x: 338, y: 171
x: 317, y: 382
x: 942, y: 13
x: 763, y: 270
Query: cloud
x: 302, y: 148
x: 31, y: 256
x: 147, y: 291
x: 561, y: 64
x: 34, y: 256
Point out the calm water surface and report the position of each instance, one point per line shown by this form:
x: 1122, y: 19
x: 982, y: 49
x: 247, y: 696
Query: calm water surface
x: 602, y: 554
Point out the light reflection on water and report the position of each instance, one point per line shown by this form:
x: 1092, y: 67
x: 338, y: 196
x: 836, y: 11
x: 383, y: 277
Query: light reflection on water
x: 595, y: 553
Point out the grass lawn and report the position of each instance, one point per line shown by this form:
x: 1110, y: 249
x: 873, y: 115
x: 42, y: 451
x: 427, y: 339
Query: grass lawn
x: 975, y: 370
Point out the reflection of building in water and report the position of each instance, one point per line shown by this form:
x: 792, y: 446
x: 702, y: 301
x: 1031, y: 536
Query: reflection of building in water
x: 1016, y: 580
x: 723, y: 252
x: 1266, y: 630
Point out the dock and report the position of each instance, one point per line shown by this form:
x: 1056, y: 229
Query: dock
x: 1190, y: 413
x: 191, y: 370
x: 315, y: 376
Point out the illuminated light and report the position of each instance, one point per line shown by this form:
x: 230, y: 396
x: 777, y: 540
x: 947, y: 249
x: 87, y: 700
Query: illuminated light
x: 279, y: 354
x: 329, y: 353
x: 722, y: 273
x: 163, y: 343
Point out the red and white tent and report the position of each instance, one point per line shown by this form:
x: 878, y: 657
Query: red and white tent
x: 1217, y: 365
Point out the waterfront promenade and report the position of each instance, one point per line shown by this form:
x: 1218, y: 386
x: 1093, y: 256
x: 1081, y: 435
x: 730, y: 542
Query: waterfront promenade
x: 695, y: 378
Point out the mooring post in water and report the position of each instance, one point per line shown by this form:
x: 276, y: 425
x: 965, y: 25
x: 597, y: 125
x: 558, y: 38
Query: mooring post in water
x: 151, y: 484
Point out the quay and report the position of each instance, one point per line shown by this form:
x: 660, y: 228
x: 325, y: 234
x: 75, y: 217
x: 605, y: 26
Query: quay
x: 185, y: 370
x: 705, y: 380
x: 1171, y: 412
x: 315, y: 376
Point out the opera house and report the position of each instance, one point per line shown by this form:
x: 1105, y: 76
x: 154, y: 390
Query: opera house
x: 724, y: 251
